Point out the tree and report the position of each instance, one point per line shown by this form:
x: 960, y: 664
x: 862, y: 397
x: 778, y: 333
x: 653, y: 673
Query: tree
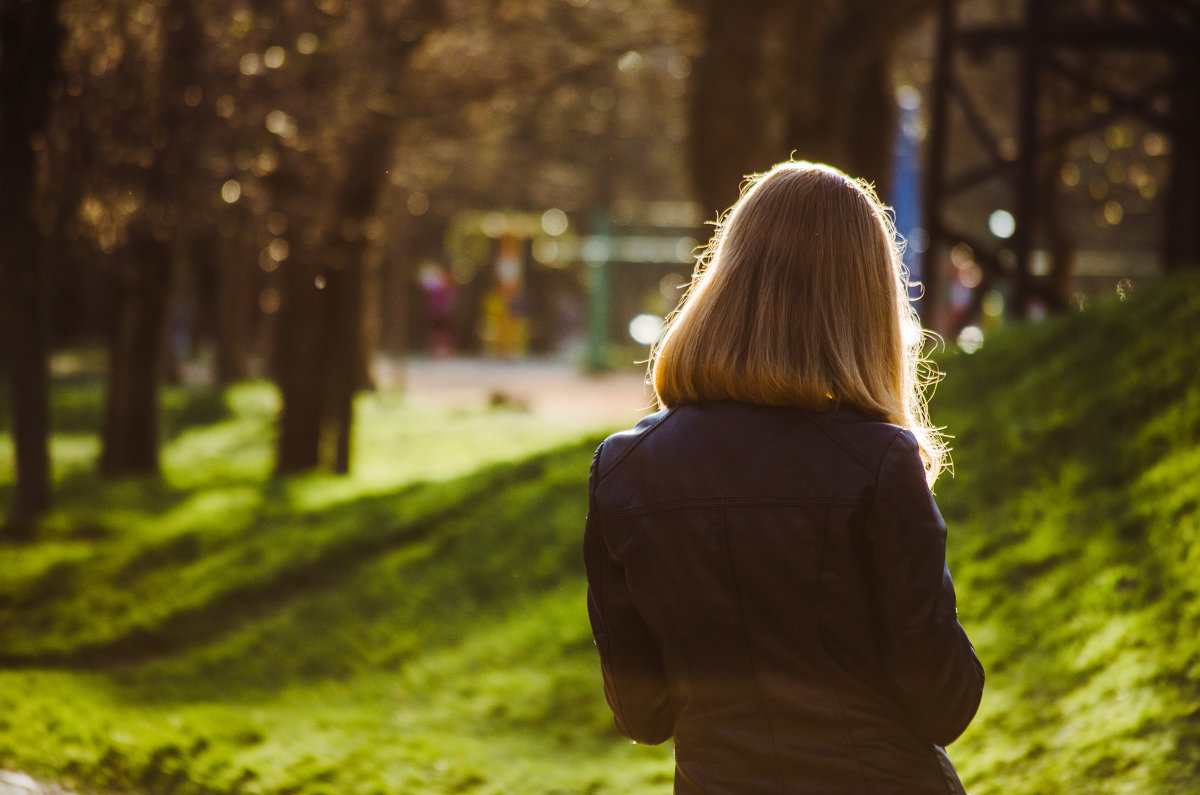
x: 30, y: 36
x: 320, y: 363
x: 130, y: 437
x: 269, y: 147
x: 780, y: 77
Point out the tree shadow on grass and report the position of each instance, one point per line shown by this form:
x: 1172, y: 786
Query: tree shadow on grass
x: 364, y: 584
x: 77, y: 402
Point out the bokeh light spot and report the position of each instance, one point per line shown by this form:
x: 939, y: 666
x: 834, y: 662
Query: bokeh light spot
x: 418, y: 203
x: 971, y: 275
x: 1070, y: 174
x: 554, y: 222
x: 645, y: 328
x: 970, y: 339
x: 671, y: 287
x: 545, y: 251
x: 281, y: 124
x: 629, y: 61
x: 251, y: 64
x: 992, y: 304
x: 307, y: 43
x: 269, y: 301
x: 231, y: 191
x: 679, y: 67
x: 278, y: 249
x: 1113, y: 211
x: 1002, y: 224
x: 962, y: 255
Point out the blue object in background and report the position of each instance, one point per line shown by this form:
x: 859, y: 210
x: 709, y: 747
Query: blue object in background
x: 906, y: 184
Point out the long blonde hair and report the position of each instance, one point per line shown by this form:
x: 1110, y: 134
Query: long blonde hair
x: 800, y: 299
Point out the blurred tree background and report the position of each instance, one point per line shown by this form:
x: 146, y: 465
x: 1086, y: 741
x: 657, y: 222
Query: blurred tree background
x: 256, y: 184
x: 227, y: 190
x: 258, y: 181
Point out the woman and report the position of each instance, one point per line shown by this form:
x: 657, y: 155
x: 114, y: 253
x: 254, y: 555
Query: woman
x: 766, y: 564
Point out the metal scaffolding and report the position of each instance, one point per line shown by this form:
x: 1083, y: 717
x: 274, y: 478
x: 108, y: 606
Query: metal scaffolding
x: 1056, y: 43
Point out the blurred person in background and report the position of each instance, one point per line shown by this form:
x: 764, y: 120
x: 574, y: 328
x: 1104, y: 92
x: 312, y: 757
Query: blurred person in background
x: 438, y: 288
x: 765, y: 559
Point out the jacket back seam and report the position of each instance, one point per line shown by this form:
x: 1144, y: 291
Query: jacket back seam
x: 737, y: 591
x: 835, y: 696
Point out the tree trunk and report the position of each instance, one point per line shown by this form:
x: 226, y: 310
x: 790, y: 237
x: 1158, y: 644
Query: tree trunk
x: 30, y: 36
x: 25, y: 287
x: 300, y: 366
x: 131, y: 427
x: 130, y: 441
x: 1181, y: 232
x: 728, y: 117
x: 235, y: 302
x: 346, y: 361
x: 322, y: 365
x: 807, y: 79
x: 840, y: 109
x: 321, y: 362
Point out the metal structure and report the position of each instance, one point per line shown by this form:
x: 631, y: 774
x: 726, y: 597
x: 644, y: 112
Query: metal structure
x: 1111, y: 60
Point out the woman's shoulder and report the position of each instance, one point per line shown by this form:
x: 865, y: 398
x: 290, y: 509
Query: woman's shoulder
x: 863, y: 437
x: 733, y: 425
x: 620, y: 444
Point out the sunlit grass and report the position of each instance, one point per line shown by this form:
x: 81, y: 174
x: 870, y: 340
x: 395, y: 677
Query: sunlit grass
x: 415, y: 627
x: 1073, y: 522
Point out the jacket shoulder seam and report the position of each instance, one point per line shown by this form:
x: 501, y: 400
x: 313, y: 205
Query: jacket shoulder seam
x: 870, y: 467
x: 883, y: 458
x: 605, y: 470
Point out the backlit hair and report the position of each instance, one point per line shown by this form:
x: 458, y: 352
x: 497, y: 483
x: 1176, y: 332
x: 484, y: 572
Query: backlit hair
x: 800, y: 299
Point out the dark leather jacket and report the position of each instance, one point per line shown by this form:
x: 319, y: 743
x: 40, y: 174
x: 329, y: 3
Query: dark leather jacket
x: 769, y: 587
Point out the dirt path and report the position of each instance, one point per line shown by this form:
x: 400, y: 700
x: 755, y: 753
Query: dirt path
x: 553, y: 388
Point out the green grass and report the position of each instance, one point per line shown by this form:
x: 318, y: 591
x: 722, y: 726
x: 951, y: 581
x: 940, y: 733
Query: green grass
x: 419, y: 627
x: 444, y: 652
x: 1075, y: 521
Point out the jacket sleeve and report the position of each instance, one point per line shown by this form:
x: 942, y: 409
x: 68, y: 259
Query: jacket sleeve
x: 932, y: 666
x: 634, y: 681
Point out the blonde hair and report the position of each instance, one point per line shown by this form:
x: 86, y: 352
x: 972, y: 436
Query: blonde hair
x: 800, y: 299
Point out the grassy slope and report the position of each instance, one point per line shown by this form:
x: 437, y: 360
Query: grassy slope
x: 229, y: 633
x: 1075, y: 517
